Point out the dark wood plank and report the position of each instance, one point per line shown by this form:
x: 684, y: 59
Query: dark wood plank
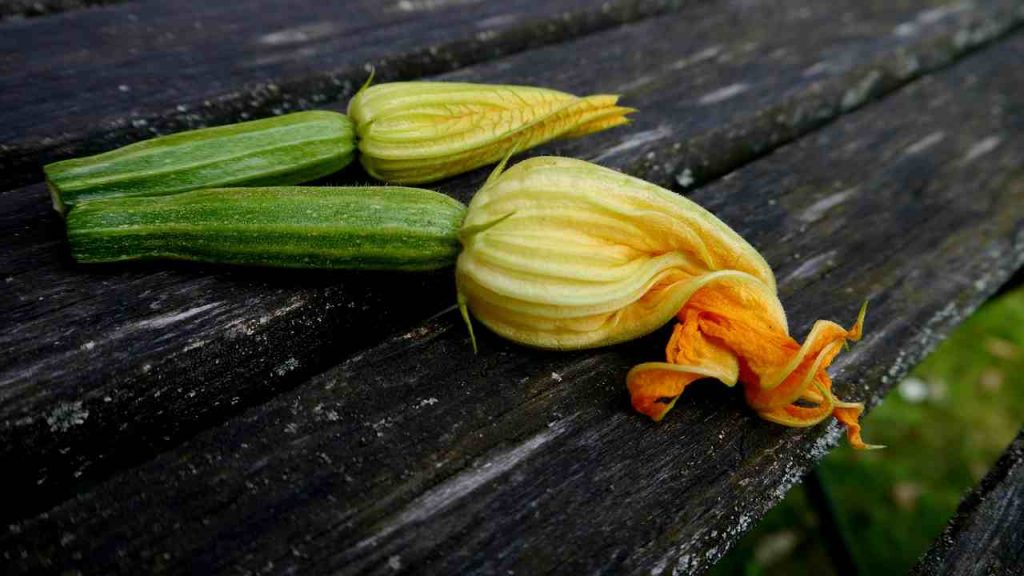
x: 419, y: 456
x: 103, y: 367
x: 32, y: 8
x: 985, y: 536
x: 92, y: 80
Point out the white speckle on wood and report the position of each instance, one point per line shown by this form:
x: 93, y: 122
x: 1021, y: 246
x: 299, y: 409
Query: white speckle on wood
x: 826, y: 441
x: 556, y: 376
x: 858, y: 94
x: 905, y: 29
x: 465, y: 483
x: 810, y: 267
x: 909, y: 65
x: 485, y: 35
x: 925, y: 143
x: 497, y: 21
x: 381, y: 425
x: 427, y: 402
x: 395, y: 562
x: 637, y: 140
x: 815, y: 211
x: 247, y: 326
x: 933, y: 15
x: 685, y: 178
x: 286, y: 367
x: 417, y: 333
x: 192, y: 345
x: 66, y: 416
x: 88, y: 345
x: 724, y: 93
x: 793, y: 474
x: 817, y: 68
x: 928, y: 17
x: 168, y: 319
x: 981, y: 148
x: 686, y: 564
x: 298, y: 34
x: 700, y: 56
x: 659, y: 567
x: 635, y: 83
x: 425, y: 5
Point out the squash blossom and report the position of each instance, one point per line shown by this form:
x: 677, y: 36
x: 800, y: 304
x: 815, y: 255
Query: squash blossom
x: 563, y: 254
x: 417, y: 132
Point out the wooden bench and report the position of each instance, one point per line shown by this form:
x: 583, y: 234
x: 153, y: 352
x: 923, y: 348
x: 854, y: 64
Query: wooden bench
x: 985, y: 536
x: 202, y: 419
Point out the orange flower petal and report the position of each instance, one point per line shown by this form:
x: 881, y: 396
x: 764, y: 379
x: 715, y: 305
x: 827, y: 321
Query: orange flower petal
x: 785, y: 382
x: 654, y: 387
x: 848, y: 413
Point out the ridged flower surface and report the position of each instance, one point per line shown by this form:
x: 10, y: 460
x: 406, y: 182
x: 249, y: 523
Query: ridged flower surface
x: 564, y: 254
x: 418, y: 132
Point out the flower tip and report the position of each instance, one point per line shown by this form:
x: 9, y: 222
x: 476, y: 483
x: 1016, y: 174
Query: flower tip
x: 464, y: 312
x: 369, y: 80
x: 857, y: 330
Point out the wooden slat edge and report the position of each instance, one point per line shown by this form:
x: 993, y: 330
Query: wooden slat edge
x: 37, y: 8
x: 985, y: 536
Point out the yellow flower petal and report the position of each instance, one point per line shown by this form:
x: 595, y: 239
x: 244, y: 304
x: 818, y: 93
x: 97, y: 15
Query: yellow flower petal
x: 561, y: 253
x: 588, y: 256
x: 416, y: 132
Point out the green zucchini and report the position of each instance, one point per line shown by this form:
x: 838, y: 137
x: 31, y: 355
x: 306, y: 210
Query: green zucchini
x: 283, y: 150
x: 369, y: 228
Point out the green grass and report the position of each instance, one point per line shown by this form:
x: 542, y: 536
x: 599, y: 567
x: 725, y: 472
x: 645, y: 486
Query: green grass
x: 944, y: 427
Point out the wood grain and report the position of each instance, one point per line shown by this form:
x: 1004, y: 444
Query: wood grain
x: 418, y: 456
x: 32, y: 8
x: 104, y: 367
x: 985, y: 538
x: 93, y: 80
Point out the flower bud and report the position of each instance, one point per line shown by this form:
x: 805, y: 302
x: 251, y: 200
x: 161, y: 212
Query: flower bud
x: 587, y: 256
x: 564, y: 254
x: 417, y: 132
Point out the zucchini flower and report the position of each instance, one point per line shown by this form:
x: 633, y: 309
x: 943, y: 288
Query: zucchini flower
x: 564, y: 254
x: 417, y: 132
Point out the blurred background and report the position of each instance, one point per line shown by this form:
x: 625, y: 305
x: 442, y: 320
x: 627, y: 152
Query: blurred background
x: 944, y: 426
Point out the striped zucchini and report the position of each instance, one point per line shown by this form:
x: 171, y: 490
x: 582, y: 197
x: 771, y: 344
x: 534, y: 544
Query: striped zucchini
x: 372, y: 228
x: 283, y: 150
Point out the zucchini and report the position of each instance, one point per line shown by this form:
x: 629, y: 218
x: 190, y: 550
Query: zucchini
x: 283, y: 150
x: 368, y: 228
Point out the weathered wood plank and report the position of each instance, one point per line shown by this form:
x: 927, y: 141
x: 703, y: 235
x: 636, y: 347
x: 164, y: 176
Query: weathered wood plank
x: 107, y: 366
x: 985, y: 538
x: 30, y: 8
x: 92, y: 80
x: 419, y: 456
